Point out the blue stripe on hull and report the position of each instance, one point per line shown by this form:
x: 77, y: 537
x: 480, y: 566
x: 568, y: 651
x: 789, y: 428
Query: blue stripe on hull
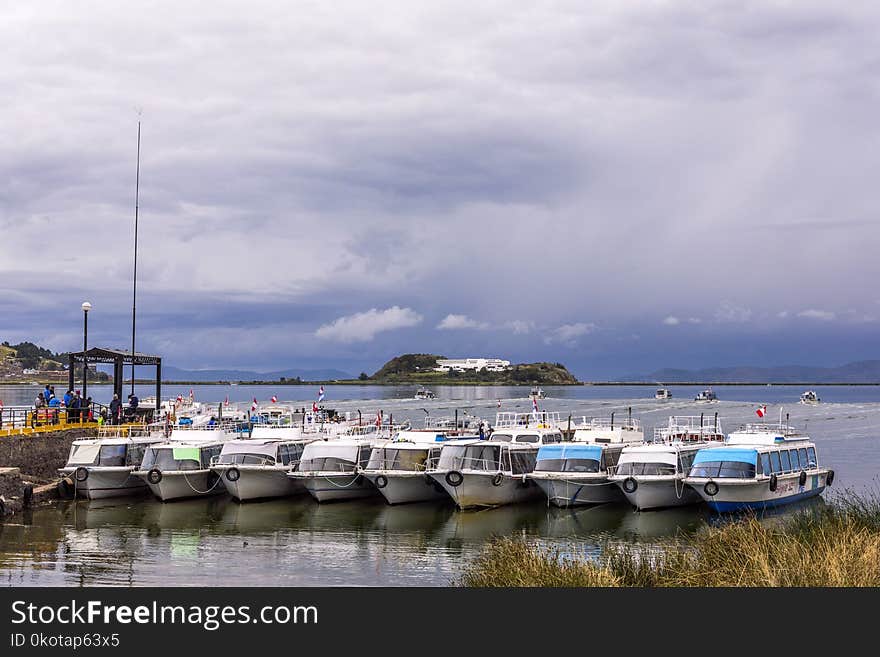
x: 728, y: 507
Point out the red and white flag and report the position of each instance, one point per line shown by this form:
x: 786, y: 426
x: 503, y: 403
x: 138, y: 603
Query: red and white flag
x: 761, y: 411
x: 499, y: 403
x: 191, y: 394
x: 314, y: 407
x: 273, y: 399
x: 535, y: 404
x: 180, y: 398
x: 254, y: 405
x: 379, y: 419
x: 321, y: 393
x: 226, y: 401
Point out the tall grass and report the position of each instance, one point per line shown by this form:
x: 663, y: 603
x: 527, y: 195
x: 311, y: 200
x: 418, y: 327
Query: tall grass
x: 837, y: 545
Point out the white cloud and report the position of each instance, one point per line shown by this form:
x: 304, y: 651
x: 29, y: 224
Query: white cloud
x: 672, y: 321
x: 731, y: 313
x: 813, y: 313
x: 782, y: 314
x: 456, y: 322
x: 520, y: 327
x: 567, y: 334
x: 363, y: 327
x: 694, y: 320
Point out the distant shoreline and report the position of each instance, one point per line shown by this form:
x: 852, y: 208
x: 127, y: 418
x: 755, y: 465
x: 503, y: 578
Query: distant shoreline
x: 357, y: 382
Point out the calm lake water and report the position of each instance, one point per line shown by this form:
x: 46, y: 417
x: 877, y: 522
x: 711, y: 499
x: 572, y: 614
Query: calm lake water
x: 298, y: 542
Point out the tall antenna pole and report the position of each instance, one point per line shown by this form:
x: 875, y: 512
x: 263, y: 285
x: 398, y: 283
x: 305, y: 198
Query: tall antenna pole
x: 137, y: 181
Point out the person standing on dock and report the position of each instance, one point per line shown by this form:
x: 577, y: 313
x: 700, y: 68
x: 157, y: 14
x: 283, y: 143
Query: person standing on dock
x: 115, y: 408
x: 75, y: 408
x: 40, y: 401
x: 47, y: 393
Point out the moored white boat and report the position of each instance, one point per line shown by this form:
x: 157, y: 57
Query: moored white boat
x: 330, y: 470
x: 181, y: 467
x: 576, y: 473
x: 423, y: 393
x: 706, y: 396
x: 398, y: 467
x: 760, y: 466
x: 490, y: 473
x: 651, y: 475
x: 663, y: 393
x: 257, y: 468
x: 810, y: 398
x: 104, y: 466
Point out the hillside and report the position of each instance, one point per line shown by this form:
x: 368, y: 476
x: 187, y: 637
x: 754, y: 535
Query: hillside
x: 418, y: 369
x: 28, y: 362
x: 170, y: 373
x: 866, y: 371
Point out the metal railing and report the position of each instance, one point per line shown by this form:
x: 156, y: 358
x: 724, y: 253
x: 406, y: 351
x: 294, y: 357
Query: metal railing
x: 527, y: 420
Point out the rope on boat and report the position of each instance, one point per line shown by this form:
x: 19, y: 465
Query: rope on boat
x: 201, y: 492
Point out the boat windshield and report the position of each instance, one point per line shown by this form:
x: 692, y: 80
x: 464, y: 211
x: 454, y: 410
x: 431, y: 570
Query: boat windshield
x: 724, y: 470
x: 645, y: 469
x: 567, y: 465
x: 163, y: 459
x: 327, y: 464
x: 470, y: 457
x: 83, y: 454
x: 112, y: 455
x: 243, y: 458
x: 398, y: 459
x: 500, y: 437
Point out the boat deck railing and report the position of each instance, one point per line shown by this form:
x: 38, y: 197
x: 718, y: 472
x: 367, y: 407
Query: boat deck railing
x: 541, y: 419
x: 628, y: 423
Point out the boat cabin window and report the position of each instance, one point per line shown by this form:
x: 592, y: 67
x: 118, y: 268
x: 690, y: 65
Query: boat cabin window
x: 724, y: 470
x: 528, y: 438
x: 290, y: 453
x: 811, y: 457
x: 802, y: 454
x: 795, y: 460
x: 112, y: 455
x: 244, y: 458
x: 135, y: 454
x: 327, y: 464
x: 774, y: 461
x: 631, y: 468
x: 786, y: 462
x: 522, y: 462
x: 685, y: 461
x: 500, y: 437
x: 83, y: 454
x: 163, y: 459
x: 765, y: 464
x: 551, y: 438
x: 610, y: 457
x: 398, y: 459
x: 210, y: 453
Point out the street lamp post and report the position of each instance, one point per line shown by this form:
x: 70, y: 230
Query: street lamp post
x: 86, y: 308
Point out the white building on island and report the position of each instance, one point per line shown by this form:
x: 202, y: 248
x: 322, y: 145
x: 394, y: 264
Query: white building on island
x: 475, y: 364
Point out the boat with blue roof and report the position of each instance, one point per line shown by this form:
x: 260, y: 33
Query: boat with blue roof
x: 760, y: 466
x: 576, y: 473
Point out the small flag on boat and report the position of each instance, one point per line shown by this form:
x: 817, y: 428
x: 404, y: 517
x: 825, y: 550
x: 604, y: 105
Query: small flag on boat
x: 273, y: 399
x: 535, y: 404
x: 226, y: 401
x: 499, y: 403
x: 180, y: 398
x: 321, y: 393
x: 314, y: 407
x: 254, y: 405
x: 191, y: 394
x: 761, y: 411
x: 379, y: 419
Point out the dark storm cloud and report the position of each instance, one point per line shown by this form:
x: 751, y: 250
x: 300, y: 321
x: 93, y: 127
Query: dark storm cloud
x: 563, y: 177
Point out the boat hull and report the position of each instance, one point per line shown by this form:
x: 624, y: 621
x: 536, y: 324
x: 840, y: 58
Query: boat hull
x: 658, y: 492
x: 259, y: 482
x: 406, y: 487
x: 107, y: 482
x: 756, y: 494
x: 569, y: 491
x: 181, y: 484
x: 477, y: 490
x: 333, y: 487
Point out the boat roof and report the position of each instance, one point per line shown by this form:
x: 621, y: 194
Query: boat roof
x: 118, y: 440
x: 188, y: 443
x: 765, y: 434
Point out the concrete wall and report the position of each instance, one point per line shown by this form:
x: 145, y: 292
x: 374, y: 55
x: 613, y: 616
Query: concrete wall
x: 40, y: 454
x: 10, y: 491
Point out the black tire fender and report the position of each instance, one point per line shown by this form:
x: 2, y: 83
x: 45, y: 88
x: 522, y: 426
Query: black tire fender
x: 711, y: 488
x: 829, y: 478
x: 774, y: 482
x: 497, y: 479
x: 233, y: 474
x: 381, y: 481
x: 802, y: 478
x: 154, y: 476
x: 81, y: 474
x: 454, y: 478
x: 28, y: 494
x: 630, y: 485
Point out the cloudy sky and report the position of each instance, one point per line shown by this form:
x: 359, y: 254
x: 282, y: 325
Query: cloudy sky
x: 619, y: 186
